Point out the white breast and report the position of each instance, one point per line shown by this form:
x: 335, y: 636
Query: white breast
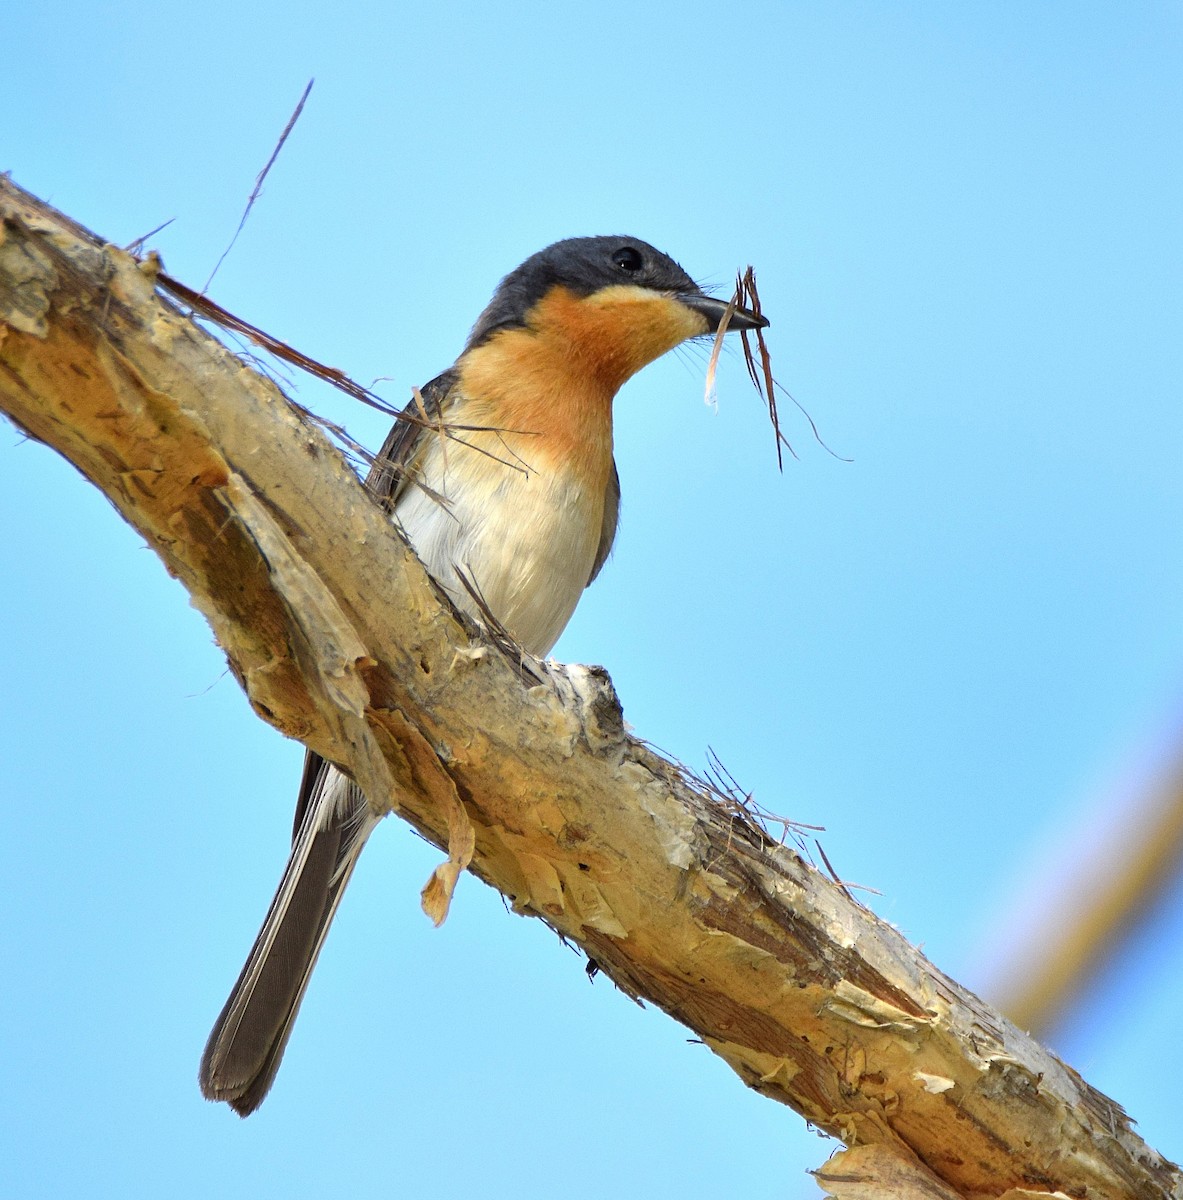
x: 525, y: 538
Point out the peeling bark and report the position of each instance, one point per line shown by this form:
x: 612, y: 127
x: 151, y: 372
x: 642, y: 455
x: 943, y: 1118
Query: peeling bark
x: 340, y: 640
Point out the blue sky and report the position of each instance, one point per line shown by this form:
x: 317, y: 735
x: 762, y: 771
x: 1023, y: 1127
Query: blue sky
x: 951, y: 652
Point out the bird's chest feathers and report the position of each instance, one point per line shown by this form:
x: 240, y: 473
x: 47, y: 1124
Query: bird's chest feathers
x: 514, y: 500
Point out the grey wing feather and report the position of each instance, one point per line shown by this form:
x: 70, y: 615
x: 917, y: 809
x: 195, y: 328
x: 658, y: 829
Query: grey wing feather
x: 608, y: 528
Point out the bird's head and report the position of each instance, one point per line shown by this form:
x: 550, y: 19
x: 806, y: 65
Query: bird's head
x: 608, y: 305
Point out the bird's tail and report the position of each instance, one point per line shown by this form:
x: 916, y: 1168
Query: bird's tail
x: 244, y: 1050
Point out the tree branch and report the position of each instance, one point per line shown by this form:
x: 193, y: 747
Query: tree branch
x: 340, y: 640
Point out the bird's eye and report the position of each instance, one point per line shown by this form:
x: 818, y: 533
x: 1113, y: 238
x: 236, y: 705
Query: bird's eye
x: 628, y: 259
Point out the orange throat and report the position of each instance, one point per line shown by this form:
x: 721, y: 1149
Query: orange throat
x: 550, y: 385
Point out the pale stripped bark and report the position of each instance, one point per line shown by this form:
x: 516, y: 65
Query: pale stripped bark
x: 340, y: 640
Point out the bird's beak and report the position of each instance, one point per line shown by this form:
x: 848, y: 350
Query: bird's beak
x: 713, y: 310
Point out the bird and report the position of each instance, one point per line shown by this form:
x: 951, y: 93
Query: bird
x: 501, y: 476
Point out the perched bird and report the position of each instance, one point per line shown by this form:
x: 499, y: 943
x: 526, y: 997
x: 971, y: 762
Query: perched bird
x: 515, y: 513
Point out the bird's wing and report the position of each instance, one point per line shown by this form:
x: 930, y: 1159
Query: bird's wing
x: 391, y: 470
x: 608, y: 528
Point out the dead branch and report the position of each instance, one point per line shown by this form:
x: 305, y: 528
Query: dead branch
x: 340, y: 640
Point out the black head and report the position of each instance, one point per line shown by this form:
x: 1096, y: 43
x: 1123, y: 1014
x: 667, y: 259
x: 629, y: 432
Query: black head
x: 587, y: 265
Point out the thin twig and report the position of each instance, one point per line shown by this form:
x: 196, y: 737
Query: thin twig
x: 134, y: 247
x: 258, y: 188
x: 438, y: 425
x: 721, y: 785
x: 745, y: 291
x: 200, y: 303
x: 761, y: 375
x: 830, y: 868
